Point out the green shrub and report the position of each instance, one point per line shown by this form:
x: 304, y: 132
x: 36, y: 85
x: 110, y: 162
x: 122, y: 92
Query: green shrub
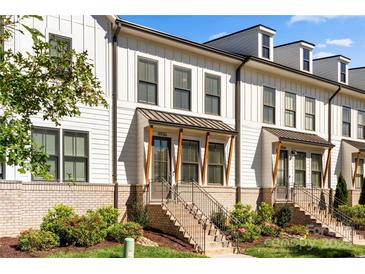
x: 243, y: 214
x: 88, y: 229
x: 109, y: 216
x: 283, y: 217
x: 362, y: 194
x: 248, y: 232
x: 300, y: 230
x: 218, y: 219
x: 140, y: 215
x: 270, y: 229
x: 59, y: 221
x: 265, y: 213
x: 356, y: 213
x: 119, y: 232
x: 32, y: 240
x: 341, y: 195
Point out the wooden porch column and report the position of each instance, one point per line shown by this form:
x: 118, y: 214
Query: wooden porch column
x: 275, y: 171
x: 229, y: 160
x: 205, y: 162
x: 356, y: 166
x: 149, y: 152
x: 178, y: 160
x: 326, y: 170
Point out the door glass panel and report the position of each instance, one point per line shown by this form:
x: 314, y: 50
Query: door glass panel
x: 161, y: 165
x: 282, y: 169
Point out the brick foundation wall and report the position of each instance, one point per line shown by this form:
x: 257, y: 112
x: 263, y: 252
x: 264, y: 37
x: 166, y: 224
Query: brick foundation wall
x: 252, y: 196
x: 354, y: 196
x: 298, y: 217
x: 23, y: 205
x: 224, y: 195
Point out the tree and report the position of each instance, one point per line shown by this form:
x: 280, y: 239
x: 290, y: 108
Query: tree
x: 362, y: 194
x: 341, y: 195
x: 36, y: 83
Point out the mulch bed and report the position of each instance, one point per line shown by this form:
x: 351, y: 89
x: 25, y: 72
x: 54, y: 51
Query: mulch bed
x: 8, y: 246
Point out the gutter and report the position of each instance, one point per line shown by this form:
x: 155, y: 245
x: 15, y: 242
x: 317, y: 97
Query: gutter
x: 330, y: 132
x: 114, y: 112
x: 238, y: 128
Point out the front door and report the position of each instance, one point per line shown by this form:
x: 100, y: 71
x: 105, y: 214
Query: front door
x: 161, y: 166
x: 282, y: 188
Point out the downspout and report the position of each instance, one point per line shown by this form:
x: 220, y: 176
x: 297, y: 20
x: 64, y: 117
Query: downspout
x: 330, y: 133
x: 238, y: 128
x: 115, y: 112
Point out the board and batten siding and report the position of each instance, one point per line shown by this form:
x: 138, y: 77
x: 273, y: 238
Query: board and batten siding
x: 130, y: 47
x: 91, y: 34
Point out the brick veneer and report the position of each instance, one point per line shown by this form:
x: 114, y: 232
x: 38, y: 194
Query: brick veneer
x: 354, y: 196
x: 22, y: 205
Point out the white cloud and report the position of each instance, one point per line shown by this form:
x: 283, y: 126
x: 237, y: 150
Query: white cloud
x: 346, y: 42
x: 321, y: 46
x: 322, y: 54
x: 217, y: 35
x: 310, y: 18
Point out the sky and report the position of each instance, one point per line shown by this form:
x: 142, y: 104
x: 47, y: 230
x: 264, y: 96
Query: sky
x: 332, y: 35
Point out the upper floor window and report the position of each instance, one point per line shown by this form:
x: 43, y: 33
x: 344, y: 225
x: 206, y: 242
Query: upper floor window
x: 290, y: 109
x: 147, y: 81
x: 269, y: 105
x: 59, y: 44
x: 212, y: 94
x: 190, y: 160
x: 182, y: 88
x: 343, y: 73
x: 306, y: 60
x: 266, y: 46
x: 215, y: 163
x: 361, y: 125
x: 310, y: 113
x: 346, y: 122
x: 47, y: 140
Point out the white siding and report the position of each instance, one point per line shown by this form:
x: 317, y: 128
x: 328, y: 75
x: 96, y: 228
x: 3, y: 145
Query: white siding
x: 288, y: 55
x: 357, y: 78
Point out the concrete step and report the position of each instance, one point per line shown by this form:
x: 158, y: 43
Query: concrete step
x: 219, y: 251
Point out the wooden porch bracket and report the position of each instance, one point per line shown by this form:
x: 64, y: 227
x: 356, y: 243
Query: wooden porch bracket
x: 277, y: 156
x: 178, y: 159
x: 356, y: 166
x: 149, y: 152
x: 326, y: 170
x: 205, y: 162
x: 229, y: 160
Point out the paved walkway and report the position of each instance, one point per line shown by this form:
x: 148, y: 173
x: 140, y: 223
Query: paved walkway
x: 231, y: 256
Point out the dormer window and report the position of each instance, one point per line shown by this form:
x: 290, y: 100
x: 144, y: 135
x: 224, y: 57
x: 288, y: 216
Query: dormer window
x: 343, y: 76
x: 265, y: 46
x: 306, y: 60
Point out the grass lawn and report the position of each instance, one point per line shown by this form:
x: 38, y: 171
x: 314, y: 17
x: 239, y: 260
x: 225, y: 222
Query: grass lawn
x: 305, y: 248
x: 117, y: 252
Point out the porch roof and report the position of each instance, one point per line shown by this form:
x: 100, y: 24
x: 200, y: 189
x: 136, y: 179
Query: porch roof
x: 157, y: 117
x: 359, y: 145
x: 298, y: 137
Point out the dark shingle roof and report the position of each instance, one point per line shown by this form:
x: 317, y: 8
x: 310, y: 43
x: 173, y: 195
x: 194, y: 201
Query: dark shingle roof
x: 358, y: 145
x: 298, y: 137
x: 185, y: 121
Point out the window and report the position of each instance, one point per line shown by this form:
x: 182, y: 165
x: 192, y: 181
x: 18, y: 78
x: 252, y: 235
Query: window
x: 306, y: 60
x: 182, y: 88
x: 346, y: 122
x: 147, y: 81
x: 316, y: 170
x: 343, y: 72
x: 215, y: 163
x: 266, y: 46
x: 75, y: 156
x: 212, y: 94
x: 2, y: 171
x: 290, y: 107
x: 300, y: 169
x: 47, y: 140
x: 269, y: 105
x: 59, y: 43
x: 359, y: 174
x: 190, y: 164
x: 310, y: 113
x: 361, y: 125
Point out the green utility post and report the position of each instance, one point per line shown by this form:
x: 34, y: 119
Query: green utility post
x: 129, y: 248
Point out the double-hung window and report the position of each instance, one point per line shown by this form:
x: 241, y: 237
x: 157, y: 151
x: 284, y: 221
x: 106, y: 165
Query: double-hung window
x: 182, y: 88
x: 360, y: 174
x: 47, y: 140
x: 147, y: 81
x: 266, y: 46
x: 212, y: 94
x: 300, y: 169
x: 346, y: 121
x: 306, y: 59
x: 290, y: 109
x: 310, y: 113
x: 316, y: 170
x: 75, y: 156
x: 361, y: 125
x: 2, y: 171
x: 343, y: 76
x: 269, y: 105
x: 190, y: 160
x: 215, y: 163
